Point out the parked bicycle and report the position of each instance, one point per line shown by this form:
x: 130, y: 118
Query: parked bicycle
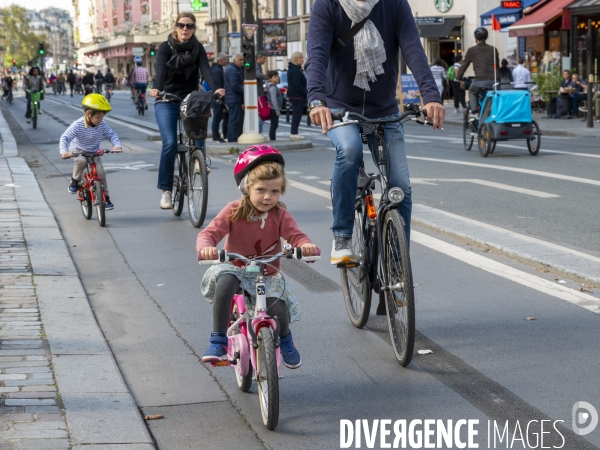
x: 91, y: 191
x: 35, y: 105
x: 379, y: 243
x: 191, y: 174
x: 253, y: 336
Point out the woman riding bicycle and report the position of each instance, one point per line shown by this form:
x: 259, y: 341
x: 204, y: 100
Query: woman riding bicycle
x: 179, y: 61
x: 34, y: 82
x: 253, y: 226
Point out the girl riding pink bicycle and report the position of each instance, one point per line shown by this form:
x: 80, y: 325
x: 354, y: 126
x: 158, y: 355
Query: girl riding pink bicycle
x: 254, y: 226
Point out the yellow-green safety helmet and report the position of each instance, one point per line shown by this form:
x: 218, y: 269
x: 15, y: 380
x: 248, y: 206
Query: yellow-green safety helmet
x: 96, y: 102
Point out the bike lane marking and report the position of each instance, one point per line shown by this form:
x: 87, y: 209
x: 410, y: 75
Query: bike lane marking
x: 561, y: 152
x: 506, y: 187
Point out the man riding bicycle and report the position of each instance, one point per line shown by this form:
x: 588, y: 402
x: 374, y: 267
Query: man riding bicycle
x: 140, y: 80
x: 109, y: 79
x: 362, y: 78
x: 485, y: 61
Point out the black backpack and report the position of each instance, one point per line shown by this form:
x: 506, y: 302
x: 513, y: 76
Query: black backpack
x: 563, y: 105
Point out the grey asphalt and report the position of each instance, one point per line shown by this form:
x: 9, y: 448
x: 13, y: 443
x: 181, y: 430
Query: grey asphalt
x: 488, y: 362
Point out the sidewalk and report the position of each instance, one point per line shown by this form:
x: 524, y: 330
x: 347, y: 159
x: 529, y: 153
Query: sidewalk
x: 549, y: 127
x: 60, y: 387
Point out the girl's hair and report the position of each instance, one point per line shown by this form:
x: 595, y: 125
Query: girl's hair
x: 267, y: 171
x: 296, y: 56
x: 504, y: 63
x: 189, y: 15
x: 437, y: 62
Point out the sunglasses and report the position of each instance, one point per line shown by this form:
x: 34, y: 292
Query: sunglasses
x: 189, y: 26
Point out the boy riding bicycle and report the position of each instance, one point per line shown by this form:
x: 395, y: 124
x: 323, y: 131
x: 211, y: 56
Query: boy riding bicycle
x: 254, y: 226
x: 85, y: 134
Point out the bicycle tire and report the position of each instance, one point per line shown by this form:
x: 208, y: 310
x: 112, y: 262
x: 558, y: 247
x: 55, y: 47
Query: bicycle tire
x: 243, y: 382
x: 197, y: 188
x: 534, y: 149
x: 34, y: 121
x: 467, y: 136
x: 268, y: 379
x: 484, y: 140
x: 100, y: 206
x: 400, y: 309
x: 86, y: 204
x: 177, y: 192
x: 356, y: 287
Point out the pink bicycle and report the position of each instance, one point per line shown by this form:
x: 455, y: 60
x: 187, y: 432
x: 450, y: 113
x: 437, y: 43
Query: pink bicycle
x: 253, y: 348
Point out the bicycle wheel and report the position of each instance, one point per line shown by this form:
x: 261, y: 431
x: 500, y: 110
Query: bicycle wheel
x: 355, y: 280
x: 243, y: 382
x: 100, y: 209
x: 467, y: 136
x: 34, y: 117
x: 197, y: 188
x: 398, y: 294
x: 86, y: 204
x: 268, y: 380
x: 534, y: 144
x: 484, y: 140
x: 177, y: 192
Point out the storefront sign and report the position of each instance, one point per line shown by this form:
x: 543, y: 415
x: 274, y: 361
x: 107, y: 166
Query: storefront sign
x: 272, y: 37
x: 429, y: 20
x: 511, y: 5
x: 504, y: 19
x: 137, y: 51
x: 410, y: 90
x: 443, y: 5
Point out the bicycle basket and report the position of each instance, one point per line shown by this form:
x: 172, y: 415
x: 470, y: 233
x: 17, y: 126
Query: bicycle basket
x: 195, y: 128
x: 195, y: 111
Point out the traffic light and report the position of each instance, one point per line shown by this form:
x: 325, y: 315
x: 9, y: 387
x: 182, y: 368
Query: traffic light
x: 14, y: 62
x: 41, y: 50
x: 248, y: 52
x: 152, y: 50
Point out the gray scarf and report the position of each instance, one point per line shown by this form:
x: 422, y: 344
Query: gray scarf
x: 369, y: 51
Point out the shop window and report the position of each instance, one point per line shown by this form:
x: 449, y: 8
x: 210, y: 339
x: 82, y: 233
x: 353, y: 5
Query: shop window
x: 293, y: 31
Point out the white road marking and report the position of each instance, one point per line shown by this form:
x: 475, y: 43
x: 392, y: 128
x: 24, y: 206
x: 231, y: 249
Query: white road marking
x: 309, y: 177
x: 539, y: 284
x: 134, y: 165
x: 511, y: 169
x: 505, y: 187
x: 292, y: 173
x: 561, y: 152
x: 308, y: 188
x: 327, y: 183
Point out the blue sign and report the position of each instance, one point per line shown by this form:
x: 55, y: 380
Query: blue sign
x: 410, y: 90
x: 235, y: 35
x: 504, y: 19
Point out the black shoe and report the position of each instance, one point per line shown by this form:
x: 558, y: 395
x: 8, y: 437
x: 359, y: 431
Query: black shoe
x: 146, y: 107
x: 74, y: 186
x: 108, y: 205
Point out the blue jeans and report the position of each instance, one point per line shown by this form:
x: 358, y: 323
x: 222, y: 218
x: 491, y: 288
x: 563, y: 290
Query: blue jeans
x: 575, y: 99
x: 236, y: 121
x: 166, y: 114
x: 349, y: 156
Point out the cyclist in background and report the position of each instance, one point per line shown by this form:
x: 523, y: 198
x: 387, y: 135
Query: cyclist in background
x: 71, y: 79
x: 336, y: 82
x: 99, y: 78
x: 139, y: 80
x: 253, y: 226
x: 109, y: 79
x: 33, y: 82
x: 85, y: 134
x: 485, y: 60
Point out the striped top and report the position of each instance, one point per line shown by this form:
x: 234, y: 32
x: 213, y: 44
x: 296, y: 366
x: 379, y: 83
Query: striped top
x: 81, y: 137
x: 140, y: 75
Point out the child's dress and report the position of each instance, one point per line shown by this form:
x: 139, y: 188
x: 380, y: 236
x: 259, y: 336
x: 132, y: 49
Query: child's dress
x: 260, y: 235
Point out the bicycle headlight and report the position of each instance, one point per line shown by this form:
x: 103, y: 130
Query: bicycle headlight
x: 396, y: 195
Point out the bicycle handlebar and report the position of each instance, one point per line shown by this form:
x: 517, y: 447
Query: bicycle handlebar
x: 288, y: 252
x: 346, y: 118
x: 88, y: 154
x: 165, y: 94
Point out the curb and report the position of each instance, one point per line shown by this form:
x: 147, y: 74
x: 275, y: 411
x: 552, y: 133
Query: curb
x: 98, y: 405
x: 570, y: 263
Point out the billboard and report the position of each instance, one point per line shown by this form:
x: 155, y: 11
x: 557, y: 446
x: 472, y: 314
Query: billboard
x: 272, y: 37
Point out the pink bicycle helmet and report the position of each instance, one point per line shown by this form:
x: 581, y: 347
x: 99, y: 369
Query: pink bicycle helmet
x: 254, y: 156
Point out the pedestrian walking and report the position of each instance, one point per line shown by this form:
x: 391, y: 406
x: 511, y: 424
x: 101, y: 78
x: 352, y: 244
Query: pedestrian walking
x: 99, y: 78
x: 275, y: 100
x: 71, y: 79
x: 218, y: 105
x: 296, y: 92
x: 521, y: 75
x: 261, y: 79
x: 439, y: 75
x: 458, y: 90
x: 506, y: 76
x: 234, y: 97
x: 179, y: 61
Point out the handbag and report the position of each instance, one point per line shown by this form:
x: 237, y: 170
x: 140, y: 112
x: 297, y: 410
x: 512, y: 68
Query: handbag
x: 264, y: 110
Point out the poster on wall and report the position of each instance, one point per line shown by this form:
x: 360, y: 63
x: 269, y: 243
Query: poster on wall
x: 272, y: 37
x: 410, y: 89
x: 127, y: 14
x: 115, y: 14
x: 144, y: 11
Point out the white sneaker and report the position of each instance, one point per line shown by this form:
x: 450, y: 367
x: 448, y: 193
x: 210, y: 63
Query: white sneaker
x: 341, y: 253
x: 28, y: 120
x: 456, y: 111
x: 296, y: 137
x: 165, y: 200
x: 40, y: 111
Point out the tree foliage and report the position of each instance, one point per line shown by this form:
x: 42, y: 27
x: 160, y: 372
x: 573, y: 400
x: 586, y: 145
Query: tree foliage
x: 20, y: 42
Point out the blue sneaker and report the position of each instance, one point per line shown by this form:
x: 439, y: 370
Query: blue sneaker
x: 74, y: 186
x: 291, y: 356
x: 108, y: 205
x: 218, y: 348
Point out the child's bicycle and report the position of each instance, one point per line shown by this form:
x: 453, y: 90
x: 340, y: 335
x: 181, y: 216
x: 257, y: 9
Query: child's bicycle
x: 91, y: 190
x: 35, y: 105
x: 379, y: 243
x: 253, y: 348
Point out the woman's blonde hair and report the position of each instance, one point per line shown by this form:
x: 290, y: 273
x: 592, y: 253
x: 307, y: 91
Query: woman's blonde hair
x: 296, y: 56
x: 189, y: 15
x: 265, y: 172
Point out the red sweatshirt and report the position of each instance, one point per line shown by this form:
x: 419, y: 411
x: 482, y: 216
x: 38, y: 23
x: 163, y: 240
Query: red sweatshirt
x: 248, y: 238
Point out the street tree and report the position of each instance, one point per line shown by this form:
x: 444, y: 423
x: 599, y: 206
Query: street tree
x: 19, y: 41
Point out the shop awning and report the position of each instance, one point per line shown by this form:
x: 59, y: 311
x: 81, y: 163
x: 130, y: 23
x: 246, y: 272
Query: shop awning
x: 585, y: 6
x: 533, y: 24
x: 437, y: 27
x: 506, y: 17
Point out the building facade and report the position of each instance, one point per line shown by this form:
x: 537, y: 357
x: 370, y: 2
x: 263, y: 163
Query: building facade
x: 56, y: 26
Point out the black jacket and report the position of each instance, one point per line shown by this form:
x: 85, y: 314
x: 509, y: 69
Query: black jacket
x: 88, y: 79
x: 296, y: 82
x: 177, y: 83
x: 218, y: 75
x: 71, y: 78
x: 234, y: 84
x: 109, y: 78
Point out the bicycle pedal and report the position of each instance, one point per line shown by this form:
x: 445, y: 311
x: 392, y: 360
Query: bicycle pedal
x: 220, y: 364
x: 347, y: 265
